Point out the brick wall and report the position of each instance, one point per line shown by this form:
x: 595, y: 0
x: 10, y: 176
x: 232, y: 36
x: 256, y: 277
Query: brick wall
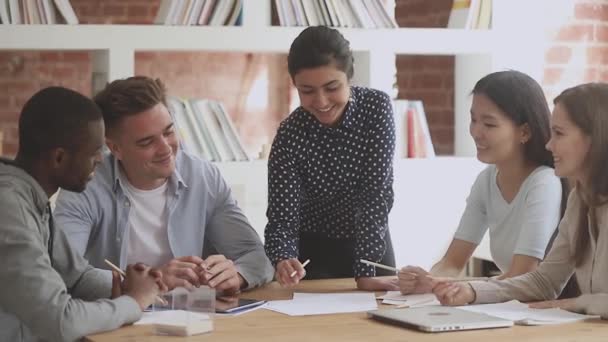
x: 428, y: 78
x: 579, y: 50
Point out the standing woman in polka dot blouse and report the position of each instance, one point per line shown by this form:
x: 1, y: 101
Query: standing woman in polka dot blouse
x: 330, y: 171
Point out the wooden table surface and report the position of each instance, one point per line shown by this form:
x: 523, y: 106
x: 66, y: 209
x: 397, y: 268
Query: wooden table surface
x: 265, y: 325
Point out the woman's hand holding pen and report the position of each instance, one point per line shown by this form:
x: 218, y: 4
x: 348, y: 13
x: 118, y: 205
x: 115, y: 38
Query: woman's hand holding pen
x: 413, y: 279
x: 285, y: 269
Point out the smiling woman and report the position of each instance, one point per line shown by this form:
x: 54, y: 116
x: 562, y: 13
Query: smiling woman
x: 330, y: 170
x: 517, y: 197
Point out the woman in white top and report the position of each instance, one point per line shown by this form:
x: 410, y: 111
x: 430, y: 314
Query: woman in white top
x: 579, y: 144
x: 517, y: 197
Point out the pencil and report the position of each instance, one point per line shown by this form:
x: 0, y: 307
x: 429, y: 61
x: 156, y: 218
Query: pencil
x: 122, y: 273
x: 458, y: 280
x: 371, y: 263
x: 303, y: 265
x: 452, y: 280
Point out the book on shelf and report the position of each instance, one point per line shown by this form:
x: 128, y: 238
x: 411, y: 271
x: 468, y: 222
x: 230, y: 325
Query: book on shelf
x: 205, y: 128
x: 37, y: 12
x: 200, y: 12
x: 419, y: 143
x: 336, y: 13
x: 412, y: 135
x: 471, y: 14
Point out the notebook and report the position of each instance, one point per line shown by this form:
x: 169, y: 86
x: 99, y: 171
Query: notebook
x: 439, y: 318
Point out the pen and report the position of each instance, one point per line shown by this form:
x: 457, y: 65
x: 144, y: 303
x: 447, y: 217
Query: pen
x: 303, y: 264
x: 439, y: 279
x: 122, y: 273
x: 371, y: 263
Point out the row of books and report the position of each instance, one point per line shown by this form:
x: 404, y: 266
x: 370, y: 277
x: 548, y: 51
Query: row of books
x: 413, y: 138
x: 336, y: 13
x: 200, y: 12
x: 37, y: 12
x: 471, y: 14
x: 206, y: 129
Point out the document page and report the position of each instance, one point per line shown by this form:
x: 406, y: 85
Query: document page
x: 324, y: 303
x: 412, y: 301
x: 521, y: 314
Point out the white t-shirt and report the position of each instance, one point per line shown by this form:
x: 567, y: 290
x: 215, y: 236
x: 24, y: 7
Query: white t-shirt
x: 523, y: 226
x: 148, y: 236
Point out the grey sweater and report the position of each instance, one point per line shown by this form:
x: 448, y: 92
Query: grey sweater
x: 43, y: 300
x: 551, y: 276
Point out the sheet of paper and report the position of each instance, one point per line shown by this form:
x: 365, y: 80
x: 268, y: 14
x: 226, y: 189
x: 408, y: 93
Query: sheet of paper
x: 521, y: 314
x: 304, y: 304
x: 414, y: 300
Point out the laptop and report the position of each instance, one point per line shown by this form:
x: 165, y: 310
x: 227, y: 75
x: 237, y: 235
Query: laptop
x: 439, y: 318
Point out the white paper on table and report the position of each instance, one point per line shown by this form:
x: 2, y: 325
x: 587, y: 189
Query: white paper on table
x: 304, y: 304
x: 521, y: 314
x: 413, y: 300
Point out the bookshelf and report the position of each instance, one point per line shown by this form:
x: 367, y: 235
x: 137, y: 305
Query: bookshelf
x: 114, y: 47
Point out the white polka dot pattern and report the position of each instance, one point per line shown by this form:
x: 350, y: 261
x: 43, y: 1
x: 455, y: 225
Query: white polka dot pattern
x: 337, y: 181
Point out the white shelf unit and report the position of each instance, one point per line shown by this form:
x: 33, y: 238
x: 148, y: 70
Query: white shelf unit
x: 114, y: 47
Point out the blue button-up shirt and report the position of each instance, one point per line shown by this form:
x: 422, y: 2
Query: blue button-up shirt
x: 203, y: 218
x: 336, y: 181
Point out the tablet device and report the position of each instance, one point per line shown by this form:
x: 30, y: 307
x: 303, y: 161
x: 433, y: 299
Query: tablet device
x: 230, y: 305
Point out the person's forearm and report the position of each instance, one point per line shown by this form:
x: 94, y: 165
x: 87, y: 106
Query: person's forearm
x: 445, y: 269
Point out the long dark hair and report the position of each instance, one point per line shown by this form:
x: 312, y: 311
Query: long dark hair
x: 587, y: 108
x: 522, y: 99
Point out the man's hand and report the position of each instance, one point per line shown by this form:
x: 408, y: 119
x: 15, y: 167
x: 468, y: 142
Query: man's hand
x: 142, y: 283
x: 378, y: 284
x: 221, y: 274
x: 117, y: 289
x: 182, y: 272
x: 284, y: 270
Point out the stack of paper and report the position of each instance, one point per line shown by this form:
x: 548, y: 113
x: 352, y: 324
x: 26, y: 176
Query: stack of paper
x: 324, y: 303
x: 178, y: 322
x: 412, y: 301
x: 521, y: 314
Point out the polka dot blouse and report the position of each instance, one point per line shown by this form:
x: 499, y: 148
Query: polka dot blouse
x: 334, y: 181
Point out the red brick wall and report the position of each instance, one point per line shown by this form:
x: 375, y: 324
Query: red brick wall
x: 579, y: 51
x: 428, y: 78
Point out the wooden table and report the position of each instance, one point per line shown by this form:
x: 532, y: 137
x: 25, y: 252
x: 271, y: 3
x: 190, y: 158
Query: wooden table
x: 267, y: 326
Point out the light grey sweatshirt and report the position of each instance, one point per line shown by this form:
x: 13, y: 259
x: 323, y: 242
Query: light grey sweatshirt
x: 553, y: 273
x: 43, y: 300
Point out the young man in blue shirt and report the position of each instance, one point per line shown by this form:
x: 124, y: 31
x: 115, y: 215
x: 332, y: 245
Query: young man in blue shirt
x: 152, y: 201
